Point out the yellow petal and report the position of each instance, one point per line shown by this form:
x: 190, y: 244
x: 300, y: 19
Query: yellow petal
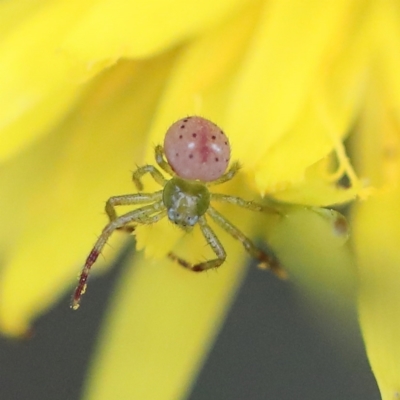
x: 279, y: 69
x: 201, y: 79
x: 140, y: 29
x: 319, y: 189
x: 286, y: 161
x: 385, y: 34
x: 53, y: 208
x: 47, y: 50
x: 311, y: 245
x: 34, y: 121
x: 376, y: 235
x: 208, y: 91
x: 164, y: 318
x: 36, y: 87
x: 299, y: 125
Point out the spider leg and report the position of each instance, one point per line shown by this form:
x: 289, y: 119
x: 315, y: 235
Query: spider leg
x: 145, y: 215
x: 233, y: 170
x: 130, y: 199
x: 215, y: 244
x: 160, y: 160
x: 238, y: 201
x: 153, y: 171
x: 266, y: 261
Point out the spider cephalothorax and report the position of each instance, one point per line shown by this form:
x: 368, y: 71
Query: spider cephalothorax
x: 197, y: 154
x: 186, y: 201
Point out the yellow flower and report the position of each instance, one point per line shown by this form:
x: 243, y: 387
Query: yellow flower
x: 88, y: 88
x: 376, y: 235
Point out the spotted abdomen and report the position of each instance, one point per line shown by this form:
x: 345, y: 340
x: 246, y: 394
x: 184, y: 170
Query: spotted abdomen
x: 196, y: 148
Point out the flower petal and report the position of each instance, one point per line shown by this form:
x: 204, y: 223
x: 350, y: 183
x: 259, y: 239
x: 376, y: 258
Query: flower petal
x: 140, y: 29
x: 376, y: 236
x: 209, y: 91
x: 319, y: 188
x: 47, y: 50
x: 201, y: 79
x: 34, y: 80
x: 330, y: 115
x: 281, y: 66
x: 54, y: 193
x: 164, y: 318
x: 311, y: 244
x: 385, y: 35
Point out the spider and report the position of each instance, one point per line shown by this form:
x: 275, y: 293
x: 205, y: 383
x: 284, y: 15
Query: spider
x: 196, y: 154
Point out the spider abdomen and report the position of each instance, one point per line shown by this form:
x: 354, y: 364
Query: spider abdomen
x: 197, y: 149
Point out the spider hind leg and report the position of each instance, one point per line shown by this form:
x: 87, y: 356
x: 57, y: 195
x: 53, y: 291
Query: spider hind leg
x: 215, y: 244
x: 266, y: 261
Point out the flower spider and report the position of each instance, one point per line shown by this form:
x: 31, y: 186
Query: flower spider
x: 197, y: 154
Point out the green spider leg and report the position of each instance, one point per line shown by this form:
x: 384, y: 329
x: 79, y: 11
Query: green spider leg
x: 137, y: 198
x: 238, y: 201
x: 266, y: 261
x: 215, y: 244
x: 153, y: 171
x: 162, y: 162
x: 130, y: 199
x: 232, y: 171
x: 145, y: 215
x: 127, y: 200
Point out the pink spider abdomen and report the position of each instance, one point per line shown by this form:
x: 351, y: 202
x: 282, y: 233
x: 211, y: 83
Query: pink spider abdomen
x: 196, y: 148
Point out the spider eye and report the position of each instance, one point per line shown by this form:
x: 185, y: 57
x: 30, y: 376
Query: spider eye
x: 182, y: 219
x: 196, y: 148
x: 172, y: 215
x: 192, y: 220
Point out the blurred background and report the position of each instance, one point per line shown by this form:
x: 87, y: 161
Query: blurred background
x: 271, y: 347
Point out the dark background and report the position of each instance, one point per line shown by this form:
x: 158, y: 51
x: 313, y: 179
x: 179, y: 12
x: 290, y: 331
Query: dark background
x: 269, y: 348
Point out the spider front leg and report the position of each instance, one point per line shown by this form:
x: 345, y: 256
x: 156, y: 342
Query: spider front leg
x: 160, y: 160
x: 266, y: 260
x: 145, y: 215
x: 153, y: 171
x: 215, y: 244
x: 127, y: 200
